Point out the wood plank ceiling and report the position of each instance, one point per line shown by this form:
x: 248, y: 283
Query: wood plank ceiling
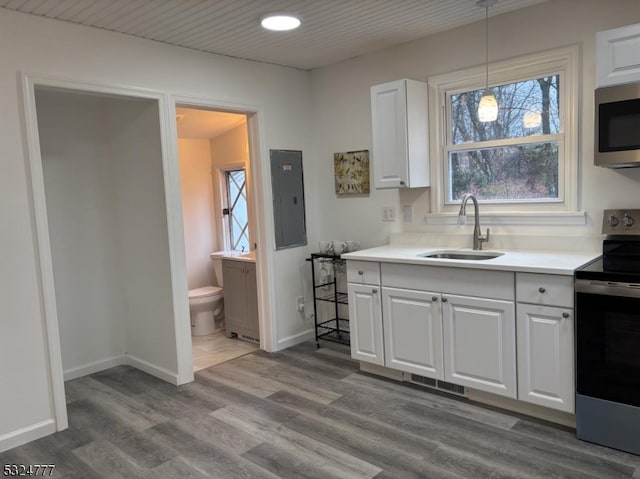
x: 331, y: 31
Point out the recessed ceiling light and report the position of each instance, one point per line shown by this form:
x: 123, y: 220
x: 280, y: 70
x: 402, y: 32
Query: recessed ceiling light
x: 280, y: 22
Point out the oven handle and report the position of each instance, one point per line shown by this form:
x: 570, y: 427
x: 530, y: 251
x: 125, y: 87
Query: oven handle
x: 608, y: 288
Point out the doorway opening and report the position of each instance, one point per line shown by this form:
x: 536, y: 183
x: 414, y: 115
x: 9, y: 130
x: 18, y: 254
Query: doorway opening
x: 219, y: 233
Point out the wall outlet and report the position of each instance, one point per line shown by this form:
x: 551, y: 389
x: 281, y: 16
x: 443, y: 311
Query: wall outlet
x: 388, y: 213
x: 407, y: 213
x: 300, y: 303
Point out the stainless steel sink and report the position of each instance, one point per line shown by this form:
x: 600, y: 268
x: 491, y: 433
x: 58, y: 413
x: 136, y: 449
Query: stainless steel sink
x: 462, y: 255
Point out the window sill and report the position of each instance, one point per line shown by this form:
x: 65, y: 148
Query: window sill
x: 551, y: 218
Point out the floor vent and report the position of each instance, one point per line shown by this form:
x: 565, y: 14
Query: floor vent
x: 435, y: 384
x: 249, y: 338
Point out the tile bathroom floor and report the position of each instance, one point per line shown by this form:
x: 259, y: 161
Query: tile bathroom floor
x: 217, y: 348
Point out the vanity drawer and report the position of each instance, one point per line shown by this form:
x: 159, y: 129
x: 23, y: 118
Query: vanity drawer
x: 363, y: 272
x: 546, y: 289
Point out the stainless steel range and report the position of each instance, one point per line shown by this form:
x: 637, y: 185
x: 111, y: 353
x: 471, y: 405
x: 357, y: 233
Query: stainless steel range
x: 608, y: 337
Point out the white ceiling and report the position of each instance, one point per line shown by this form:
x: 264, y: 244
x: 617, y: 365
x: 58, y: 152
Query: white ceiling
x: 206, y: 124
x: 331, y: 31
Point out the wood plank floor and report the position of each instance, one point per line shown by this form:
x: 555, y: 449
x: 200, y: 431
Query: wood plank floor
x: 300, y: 413
x: 216, y: 348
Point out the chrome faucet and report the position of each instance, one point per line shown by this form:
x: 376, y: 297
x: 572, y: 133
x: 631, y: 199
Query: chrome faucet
x: 478, y: 239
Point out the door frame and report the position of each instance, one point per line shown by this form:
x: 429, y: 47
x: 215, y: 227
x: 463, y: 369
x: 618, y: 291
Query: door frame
x: 260, y: 206
x: 29, y: 82
x: 168, y: 139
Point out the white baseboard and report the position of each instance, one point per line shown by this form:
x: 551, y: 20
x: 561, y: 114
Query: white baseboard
x: 123, y: 359
x: 541, y: 412
x: 94, y: 367
x: 44, y: 428
x: 27, y: 434
x: 294, y: 339
x: 157, y: 371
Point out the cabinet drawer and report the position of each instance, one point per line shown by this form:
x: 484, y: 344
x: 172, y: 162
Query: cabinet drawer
x: 363, y: 272
x: 545, y: 289
x: 465, y: 281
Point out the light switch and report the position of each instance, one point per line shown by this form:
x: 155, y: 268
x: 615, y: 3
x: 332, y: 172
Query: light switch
x: 388, y: 213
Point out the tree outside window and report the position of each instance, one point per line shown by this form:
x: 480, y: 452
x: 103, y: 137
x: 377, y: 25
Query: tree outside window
x: 514, y: 158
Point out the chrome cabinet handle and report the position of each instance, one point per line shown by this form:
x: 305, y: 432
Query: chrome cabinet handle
x: 565, y: 315
x: 434, y: 298
x: 541, y: 289
x: 444, y: 300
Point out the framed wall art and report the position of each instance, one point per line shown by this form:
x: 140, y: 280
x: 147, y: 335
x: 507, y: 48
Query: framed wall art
x: 351, y: 172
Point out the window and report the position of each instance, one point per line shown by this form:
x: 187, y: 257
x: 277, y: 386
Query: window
x: 526, y: 160
x: 236, y: 212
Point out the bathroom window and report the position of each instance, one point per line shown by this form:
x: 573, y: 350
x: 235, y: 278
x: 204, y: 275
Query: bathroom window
x: 526, y: 160
x: 236, y: 212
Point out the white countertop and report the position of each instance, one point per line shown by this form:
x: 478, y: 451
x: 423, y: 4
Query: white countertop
x: 523, y: 261
x: 249, y: 256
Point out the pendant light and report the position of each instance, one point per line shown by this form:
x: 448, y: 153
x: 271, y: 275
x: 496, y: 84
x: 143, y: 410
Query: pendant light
x: 488, y: 106
x: 532, y: 119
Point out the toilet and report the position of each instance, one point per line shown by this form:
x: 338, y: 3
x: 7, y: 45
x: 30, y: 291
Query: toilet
x: 206, y: 304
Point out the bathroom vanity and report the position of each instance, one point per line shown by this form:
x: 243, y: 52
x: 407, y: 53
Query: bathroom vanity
x: 241, y: 296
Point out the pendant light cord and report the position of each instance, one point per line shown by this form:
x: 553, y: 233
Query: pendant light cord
x: 486, y: 40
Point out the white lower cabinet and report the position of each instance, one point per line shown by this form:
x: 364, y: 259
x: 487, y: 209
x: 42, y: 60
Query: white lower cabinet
x: 480, y: 343
x: 365, y: 322
x: 465, y: 332
x: 413, y: 331
x: 545, y: 356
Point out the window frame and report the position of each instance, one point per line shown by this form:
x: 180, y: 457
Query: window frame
x: 221, y: 202
x: 563, y: 61
x: 229, y: 217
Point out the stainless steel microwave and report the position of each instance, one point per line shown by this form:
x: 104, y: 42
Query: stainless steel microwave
x: 617, y: 126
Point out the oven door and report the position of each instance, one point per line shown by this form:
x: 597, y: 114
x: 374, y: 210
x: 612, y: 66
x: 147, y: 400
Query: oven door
x: 608, y: 341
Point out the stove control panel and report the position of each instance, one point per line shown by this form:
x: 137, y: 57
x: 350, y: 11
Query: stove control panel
x: 621, y: 222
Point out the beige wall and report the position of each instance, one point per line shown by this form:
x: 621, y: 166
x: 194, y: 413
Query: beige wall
x: 197, y: 209
x: 232, y: 147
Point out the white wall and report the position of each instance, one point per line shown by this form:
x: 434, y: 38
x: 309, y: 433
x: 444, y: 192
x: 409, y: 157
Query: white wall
x: 142, y: 235
x: 341, y: 113
x: 104, y: 184
x: 197, y: 209
x: 61, y: 50
x: 76, y: 159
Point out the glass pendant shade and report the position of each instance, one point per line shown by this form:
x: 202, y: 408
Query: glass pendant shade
x: 532, y: 119
x: 488, y: 107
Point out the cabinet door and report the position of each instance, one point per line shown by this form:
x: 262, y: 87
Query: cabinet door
x: 251, y: 325
x: 618, y: 56
x: 545, y: 356
x: 413, y: 332
x: 389, y: 129
x: 365, y: 323
x: 480, y: 343
x: 235, y: 303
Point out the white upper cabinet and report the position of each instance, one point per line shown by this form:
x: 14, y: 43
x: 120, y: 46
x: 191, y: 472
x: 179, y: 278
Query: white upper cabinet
x: 399, y: 128
x: 618, y: 56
